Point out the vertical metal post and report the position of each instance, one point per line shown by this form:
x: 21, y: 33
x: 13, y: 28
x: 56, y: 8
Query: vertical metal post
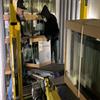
x: 74, y: 9
x: 58, y: 10
x: 69, y: 10
x: 15, y: 54
x: 65, y: 35
x: 58, y: 18
x: 62, y: 6
x: 2, y: 55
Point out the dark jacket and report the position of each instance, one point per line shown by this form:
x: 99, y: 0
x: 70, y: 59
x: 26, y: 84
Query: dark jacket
x: 51, y: 27
x: 20, y: 21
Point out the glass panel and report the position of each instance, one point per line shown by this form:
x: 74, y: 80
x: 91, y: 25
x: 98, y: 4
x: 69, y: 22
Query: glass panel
x: 90, y: 73
x: 90, y: 65
x: 75, y: 56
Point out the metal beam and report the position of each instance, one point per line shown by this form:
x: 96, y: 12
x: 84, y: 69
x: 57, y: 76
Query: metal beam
x: 2, y: 55
x: 62, y: 6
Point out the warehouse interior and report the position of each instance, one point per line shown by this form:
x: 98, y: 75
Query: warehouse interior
x: 50, y: 59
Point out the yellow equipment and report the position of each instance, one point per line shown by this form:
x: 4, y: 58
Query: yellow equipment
x: 15, y: 54
x: 51, y: 93
x: 50, y: 90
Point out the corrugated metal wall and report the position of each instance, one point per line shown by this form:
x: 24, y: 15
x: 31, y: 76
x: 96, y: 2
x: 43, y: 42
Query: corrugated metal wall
x: 69, y: 9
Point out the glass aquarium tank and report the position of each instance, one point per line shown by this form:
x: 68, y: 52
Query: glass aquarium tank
x: 83, y: 57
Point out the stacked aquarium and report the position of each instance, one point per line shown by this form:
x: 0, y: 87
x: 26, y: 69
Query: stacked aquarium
x: 83, y: 57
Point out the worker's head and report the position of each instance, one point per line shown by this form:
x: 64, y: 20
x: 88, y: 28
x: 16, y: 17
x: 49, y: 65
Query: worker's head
x: 20, y: 7
x: 45, y: 12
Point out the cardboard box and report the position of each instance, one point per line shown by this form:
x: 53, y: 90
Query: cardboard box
x: 41, y: 51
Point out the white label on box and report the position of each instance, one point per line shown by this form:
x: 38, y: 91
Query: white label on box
x: 44, y: 51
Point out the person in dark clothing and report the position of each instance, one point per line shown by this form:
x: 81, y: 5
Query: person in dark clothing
x: 51, y: 30
x: 20, y: 14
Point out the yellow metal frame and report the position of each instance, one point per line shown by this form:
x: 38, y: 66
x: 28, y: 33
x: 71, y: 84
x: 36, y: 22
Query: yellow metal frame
x: 51, y: 93
x: 15, y: 34
x: 83, y: 9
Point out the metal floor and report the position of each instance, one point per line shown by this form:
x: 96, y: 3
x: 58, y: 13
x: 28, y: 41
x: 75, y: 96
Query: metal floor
x: 66, y: 93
